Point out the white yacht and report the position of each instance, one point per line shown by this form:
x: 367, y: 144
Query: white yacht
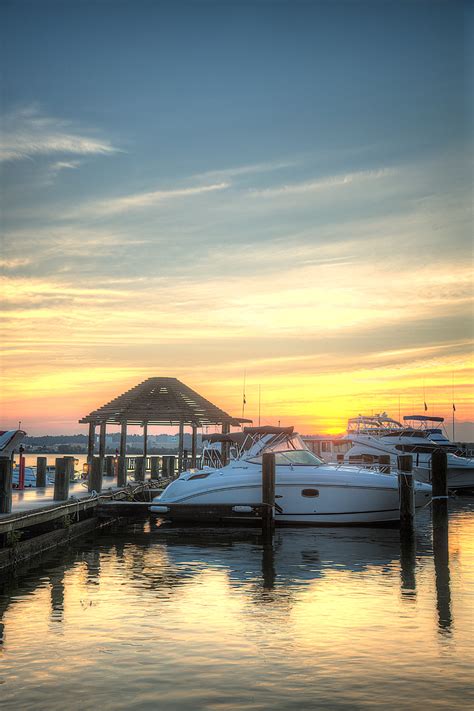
x: 308, y: 490
x: 377, y: 435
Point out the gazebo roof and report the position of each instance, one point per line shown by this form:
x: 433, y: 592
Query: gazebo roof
x: 161, y: 401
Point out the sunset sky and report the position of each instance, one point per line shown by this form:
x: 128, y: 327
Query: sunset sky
x: 205, y: 190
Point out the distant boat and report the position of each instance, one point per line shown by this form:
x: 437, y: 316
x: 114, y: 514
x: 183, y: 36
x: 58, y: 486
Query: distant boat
x: 377, y: 435
x: 308, y: 490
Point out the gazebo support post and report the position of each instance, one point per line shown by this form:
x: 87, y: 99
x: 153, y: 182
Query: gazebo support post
x: 90, y: 445
x: 145, y: 443
x: 193, y: 446
x: 180, y: 447
x: 225, y: 445
x: 102, y: 434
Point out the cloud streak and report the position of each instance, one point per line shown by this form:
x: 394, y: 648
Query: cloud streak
x: 311, y: 186
x: 127, y: 203
x: 27, y: 134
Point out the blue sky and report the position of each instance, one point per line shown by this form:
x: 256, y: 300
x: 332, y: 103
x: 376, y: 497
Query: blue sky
x: 216, y: 187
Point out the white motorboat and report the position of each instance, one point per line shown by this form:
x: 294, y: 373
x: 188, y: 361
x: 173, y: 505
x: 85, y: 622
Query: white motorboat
x: 308, y: 490
x: 377, y: 435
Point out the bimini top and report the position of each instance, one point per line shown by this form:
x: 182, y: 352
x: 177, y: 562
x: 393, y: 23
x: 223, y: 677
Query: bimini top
x: 423, y: 418
x: 161, y: 401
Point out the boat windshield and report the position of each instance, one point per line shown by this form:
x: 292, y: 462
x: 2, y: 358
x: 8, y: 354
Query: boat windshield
x: 289, y: 450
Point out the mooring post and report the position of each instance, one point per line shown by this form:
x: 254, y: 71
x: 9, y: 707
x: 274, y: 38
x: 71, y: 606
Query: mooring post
x: 268, y: 494
x: 109, y: 466
x: 41, y: 466
x: 155, y: 468
x: 122, y: 471
x: 5, y: 485
x: 171, y: 466
x: 384, y: 463
x: 61, y: 480
x: 95, y: 475
x: 407, y: 494
x: 139, y: 469
x: 69, y: 463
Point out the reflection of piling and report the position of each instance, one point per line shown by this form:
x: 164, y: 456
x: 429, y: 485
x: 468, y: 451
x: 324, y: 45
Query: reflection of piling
x: 268, y: 567
x: 95, y: 475
x: 407, y: 494
x: 41, y: 466
x: 439, y: 468
x: 407, y: 523
x: 407, y: 564
x: 5, y: 485
x: 268, y: 494
x: 57, y: 594
x: 61, y: 480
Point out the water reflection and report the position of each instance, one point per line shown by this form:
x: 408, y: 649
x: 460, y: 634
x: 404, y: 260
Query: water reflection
x: 441, y: 563
x: 407, y: 565
x: 325, y: 614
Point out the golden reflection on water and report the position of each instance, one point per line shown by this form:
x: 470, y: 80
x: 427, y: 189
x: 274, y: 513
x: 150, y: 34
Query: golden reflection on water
x: 214, y: 620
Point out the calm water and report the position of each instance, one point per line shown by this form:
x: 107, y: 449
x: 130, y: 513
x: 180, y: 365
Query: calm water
x: 162, y: 618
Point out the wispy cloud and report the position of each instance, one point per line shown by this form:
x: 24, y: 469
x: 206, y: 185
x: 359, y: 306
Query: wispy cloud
x: 136, y: 201
x: 28, y: 133
x: 310, y: 186
x: 237, y: 171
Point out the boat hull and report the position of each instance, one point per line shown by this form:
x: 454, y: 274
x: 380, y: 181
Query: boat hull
x: 311, y: 498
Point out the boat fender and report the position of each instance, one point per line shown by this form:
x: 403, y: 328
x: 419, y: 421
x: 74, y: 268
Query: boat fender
x: 242, y: 509
x: 159, y: 509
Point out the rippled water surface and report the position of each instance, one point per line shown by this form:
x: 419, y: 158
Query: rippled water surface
x: 151, y: 617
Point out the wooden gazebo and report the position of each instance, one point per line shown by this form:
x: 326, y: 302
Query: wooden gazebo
x: 157, y: 401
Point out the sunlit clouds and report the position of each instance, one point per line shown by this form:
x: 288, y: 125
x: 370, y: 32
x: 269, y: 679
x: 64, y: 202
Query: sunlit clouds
x: 255, y: 194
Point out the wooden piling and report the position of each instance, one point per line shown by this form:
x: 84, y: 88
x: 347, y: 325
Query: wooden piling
x: 407, y: 493
x: 41, y: 468
x: 122, y: 471
x: 155, y: 468
x: 95, y: 475
x: 109, y: 466
x: 139, y: 469
x: 69, y: 463
x: 169, y: 466
x: 439, y: 475
x: 61, y: 480
x: 384, y: 463
x: 268, y: 494
x: 5, y: 485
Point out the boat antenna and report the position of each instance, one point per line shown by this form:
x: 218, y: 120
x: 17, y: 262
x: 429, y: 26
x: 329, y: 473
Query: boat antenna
x: 244, y: 401
x: 399, y: 415
x: 424, y: 395
x: 259, y: 403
